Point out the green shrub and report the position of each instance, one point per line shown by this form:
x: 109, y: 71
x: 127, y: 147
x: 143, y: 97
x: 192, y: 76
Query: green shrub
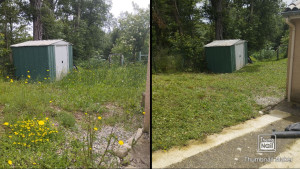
x: 265, y: 55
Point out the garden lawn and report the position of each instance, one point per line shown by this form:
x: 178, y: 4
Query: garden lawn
x: 188, y: 106
x: 106, y: 96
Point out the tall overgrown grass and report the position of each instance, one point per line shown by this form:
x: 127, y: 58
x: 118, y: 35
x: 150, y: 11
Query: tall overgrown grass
x: 86, y: 91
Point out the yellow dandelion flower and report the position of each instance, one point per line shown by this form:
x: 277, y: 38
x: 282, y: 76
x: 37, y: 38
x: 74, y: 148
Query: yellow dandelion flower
x: 6, y: 124
x: 47, y: 118
x: 7, y: 77
x: 95, y: 128
x: 24, y: 144
x: 90, y: 148
x: 9, y: 136
x: 41, y: 122
x: 45, y: 78
x: 144, y: 113
x: 121, y: 142
x: 85, y: 113
x: 9, y: 162
x: 14, y: 143
x: 16, y: 133
x: 39, y: 82
x: 34, y: 163
x: 11, y: 80
x: 47, y: 70
x: 28, y: 71
x: 28, y: 76
x: 99, y: 117
x: 26, y: 82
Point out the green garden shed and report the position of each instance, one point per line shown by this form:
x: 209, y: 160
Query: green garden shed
x: 42, y: 59
x: 226, y: 56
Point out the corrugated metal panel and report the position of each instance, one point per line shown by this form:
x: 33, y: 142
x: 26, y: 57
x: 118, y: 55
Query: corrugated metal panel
x: 239, y: 56
x: 246, y: 52
x: 222, y: 59
x: 51, y: 58
x: 32, y: 59
x: 39, y: 59
x: 232, y: 54
x: 70, y: 57
x: 40, y: 43
x: 219, y: 59
x: 224, y: 42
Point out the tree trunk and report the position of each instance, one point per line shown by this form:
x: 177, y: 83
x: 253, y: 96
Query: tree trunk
x: 78, y: 14
x: 11, y: 30
x: 218, y: 18
x: 37, y: 19
x: 5, y: 30
x: 251, y: 11
x: 176, y: 14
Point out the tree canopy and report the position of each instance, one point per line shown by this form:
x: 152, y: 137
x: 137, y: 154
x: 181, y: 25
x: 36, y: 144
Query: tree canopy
x: 87, y: 24
x: 180, y: 29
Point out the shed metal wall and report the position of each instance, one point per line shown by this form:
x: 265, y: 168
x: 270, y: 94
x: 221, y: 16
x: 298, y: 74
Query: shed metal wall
x: 219, y: 59
x: 51, y: 58
x: 33, y: 59
x: 222, y: 59
x: 70, y: 57
x: 39, y: 60
x: 246, y: 52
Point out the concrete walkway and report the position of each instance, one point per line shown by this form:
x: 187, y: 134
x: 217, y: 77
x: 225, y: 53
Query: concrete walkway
x: 236, y: 147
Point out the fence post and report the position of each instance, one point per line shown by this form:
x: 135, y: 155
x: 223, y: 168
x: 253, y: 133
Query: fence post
x: 140, y: 56
x: 278, y: 52
x: 121, y: 60
x: 109, y: 59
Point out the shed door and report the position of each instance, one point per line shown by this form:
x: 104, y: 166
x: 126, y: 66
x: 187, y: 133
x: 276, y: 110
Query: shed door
x: 239, y: 56
x: 61, y: 60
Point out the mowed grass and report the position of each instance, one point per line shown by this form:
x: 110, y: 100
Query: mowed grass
x: 190, y: 106
x: 83, y: 94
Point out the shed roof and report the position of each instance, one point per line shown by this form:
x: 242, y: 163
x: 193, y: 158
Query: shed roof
x: 39, y: 43
x: 292, y: 9
x: 224, y: 42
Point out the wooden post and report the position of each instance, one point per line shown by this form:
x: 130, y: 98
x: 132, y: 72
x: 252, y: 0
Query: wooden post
x: 146, y: 128
x: 121, y: 60
x: 278, y: 52
x: 140, y: 56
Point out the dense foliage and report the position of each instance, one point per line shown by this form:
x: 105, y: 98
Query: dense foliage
x: 180, y: 29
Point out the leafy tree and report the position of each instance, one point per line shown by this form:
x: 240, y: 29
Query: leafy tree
x: 132, y: 34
